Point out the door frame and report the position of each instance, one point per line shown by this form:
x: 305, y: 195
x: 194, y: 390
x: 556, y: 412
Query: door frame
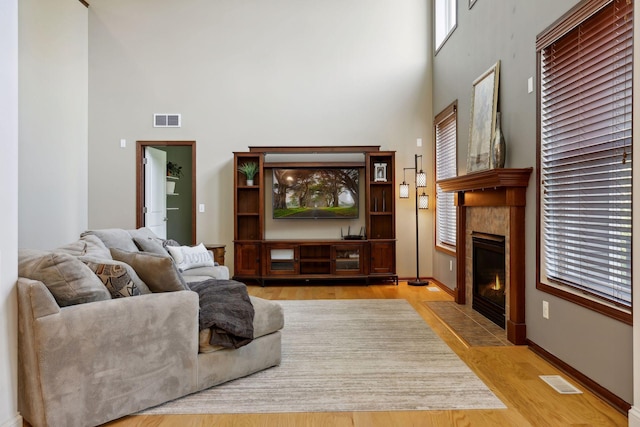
x: 140, y: 145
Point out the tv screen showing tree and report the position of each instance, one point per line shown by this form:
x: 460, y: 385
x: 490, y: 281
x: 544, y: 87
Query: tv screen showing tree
x: 315, y: 193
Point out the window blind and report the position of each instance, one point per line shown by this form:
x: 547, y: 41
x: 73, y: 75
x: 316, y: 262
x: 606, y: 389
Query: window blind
x: 446, y: 167
x: 585, y: 153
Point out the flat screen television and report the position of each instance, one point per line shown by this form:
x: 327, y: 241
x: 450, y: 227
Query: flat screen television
x: 315, y: 193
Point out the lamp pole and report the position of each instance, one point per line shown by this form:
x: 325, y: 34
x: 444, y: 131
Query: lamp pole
x: 417, y: 282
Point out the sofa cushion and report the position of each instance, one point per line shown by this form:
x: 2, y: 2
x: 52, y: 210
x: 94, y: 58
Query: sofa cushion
x: 157, y: 271
x: 188, y: 257
x: 114, y: 238
x: 151, y: 245
x: 268, y: 318
x: 89, y: 245
x: 142, y: 287
x: 67, y: 278
x: 142, y: 233
x: 204, y: 273
x: 116, y: 279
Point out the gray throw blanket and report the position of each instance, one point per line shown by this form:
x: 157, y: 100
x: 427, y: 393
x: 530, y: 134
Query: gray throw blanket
x: 225, y: 307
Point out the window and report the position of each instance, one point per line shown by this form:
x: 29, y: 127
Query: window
x: 446, y: 167
x: 445, y: 19
x: 584, y: 156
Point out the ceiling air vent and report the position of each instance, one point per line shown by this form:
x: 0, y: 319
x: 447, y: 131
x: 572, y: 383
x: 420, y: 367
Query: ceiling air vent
x: 167, y: 120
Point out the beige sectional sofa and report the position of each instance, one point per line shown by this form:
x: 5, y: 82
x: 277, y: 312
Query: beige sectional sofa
x: 86, y: 358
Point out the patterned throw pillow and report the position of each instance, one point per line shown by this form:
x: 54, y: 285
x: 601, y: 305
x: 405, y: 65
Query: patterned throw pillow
x: 116, y: 279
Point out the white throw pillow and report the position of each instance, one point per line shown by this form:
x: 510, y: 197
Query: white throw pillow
x: 187, y: 257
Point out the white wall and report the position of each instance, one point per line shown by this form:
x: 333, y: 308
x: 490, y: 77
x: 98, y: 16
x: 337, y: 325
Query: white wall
x: 249, y: 73
x: 53, y: 122
x: 9, y: 213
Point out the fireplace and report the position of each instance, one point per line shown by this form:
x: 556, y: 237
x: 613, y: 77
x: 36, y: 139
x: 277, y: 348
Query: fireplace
x: 493, y: 202
x: 488, y: 274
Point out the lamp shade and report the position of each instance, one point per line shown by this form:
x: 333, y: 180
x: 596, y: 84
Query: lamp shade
x: 421, y: 179
x: 423, y: 201
x: 404, y: 190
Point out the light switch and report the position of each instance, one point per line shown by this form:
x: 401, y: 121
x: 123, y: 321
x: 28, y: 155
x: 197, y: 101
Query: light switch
x: 419, y: 142
x: 201, y: 207
x: 530, y: 84
x: 123, y: 143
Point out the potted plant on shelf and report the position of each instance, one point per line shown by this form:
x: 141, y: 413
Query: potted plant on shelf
x: 173, y: 171
x: 250, y: 170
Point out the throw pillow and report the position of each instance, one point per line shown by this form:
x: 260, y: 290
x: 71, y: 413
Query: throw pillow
x: 187, y: 257
x: 150, y: 245
x: 142, y: 287
x: 157, y: 271
x: 67, y: 278
x: 115, y: 278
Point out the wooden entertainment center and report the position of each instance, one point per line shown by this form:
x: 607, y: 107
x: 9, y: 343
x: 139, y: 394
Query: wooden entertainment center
x: 371, y: 258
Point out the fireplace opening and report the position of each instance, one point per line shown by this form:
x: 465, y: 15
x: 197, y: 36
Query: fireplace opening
x: 489, y: 277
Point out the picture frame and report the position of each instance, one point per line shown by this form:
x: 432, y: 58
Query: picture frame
x: 484, y: 105
x: 380, y: 172
x: 471, y: 3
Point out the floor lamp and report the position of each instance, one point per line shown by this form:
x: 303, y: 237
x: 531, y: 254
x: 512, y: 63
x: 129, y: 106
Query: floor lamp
x: 422, y: 202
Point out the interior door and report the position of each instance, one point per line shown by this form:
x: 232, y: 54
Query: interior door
x: 155, y: 191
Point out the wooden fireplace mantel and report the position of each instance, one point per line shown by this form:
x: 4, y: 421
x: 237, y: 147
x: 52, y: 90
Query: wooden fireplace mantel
x: 495, y: 187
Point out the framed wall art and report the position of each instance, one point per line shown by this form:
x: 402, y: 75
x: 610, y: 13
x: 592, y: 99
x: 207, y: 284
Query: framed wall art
x: 484, y: 105
x: 380, y: 170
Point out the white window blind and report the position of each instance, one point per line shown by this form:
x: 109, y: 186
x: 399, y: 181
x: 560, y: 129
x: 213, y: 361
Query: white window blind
x: 585, y: 152
x: 446, y: 167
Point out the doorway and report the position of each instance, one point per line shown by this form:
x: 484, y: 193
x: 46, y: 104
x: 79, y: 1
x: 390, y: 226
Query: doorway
x: 179, y: 211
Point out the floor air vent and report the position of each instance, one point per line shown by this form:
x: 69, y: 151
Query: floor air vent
x: 559, y: 384
x: 167, y: 120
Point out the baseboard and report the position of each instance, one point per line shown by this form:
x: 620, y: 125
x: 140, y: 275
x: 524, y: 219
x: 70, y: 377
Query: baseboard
x: 606, y: 395
x: 14, y: 422
x: 443, y: 287
x: 634, y: 417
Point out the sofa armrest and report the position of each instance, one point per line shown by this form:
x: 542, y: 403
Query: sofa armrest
x: 90, y: 363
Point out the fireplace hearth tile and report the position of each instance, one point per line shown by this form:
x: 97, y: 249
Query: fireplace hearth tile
x: 471, y: 326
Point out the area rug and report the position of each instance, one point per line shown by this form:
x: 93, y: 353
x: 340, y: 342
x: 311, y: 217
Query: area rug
x: 349, y: 355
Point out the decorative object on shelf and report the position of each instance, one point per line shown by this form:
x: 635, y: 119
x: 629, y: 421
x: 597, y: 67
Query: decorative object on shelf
x: 174, y: 170
x: 249, y: 169
x: 498, y: 146
x: 384, y: 202
x: 171, y: 187
x: 484, y: 105
x: 380, y: 170
x: 422, y: 202
x: 350, y: 236
x: 375, y: 204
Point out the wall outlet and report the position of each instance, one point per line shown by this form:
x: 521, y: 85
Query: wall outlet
x: 545, y: 309
x: 450, y: 265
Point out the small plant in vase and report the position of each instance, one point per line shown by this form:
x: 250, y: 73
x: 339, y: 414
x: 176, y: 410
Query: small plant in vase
x: 174, y: 170
x: 249, y: 170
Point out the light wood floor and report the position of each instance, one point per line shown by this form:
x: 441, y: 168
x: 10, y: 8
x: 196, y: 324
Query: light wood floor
x: 511, y: 372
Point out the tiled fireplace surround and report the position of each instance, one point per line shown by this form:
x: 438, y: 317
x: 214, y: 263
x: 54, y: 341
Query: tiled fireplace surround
x: 493, y: 202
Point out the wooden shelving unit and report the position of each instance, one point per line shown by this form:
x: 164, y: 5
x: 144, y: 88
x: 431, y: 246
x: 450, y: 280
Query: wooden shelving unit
x: 262, y: 260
